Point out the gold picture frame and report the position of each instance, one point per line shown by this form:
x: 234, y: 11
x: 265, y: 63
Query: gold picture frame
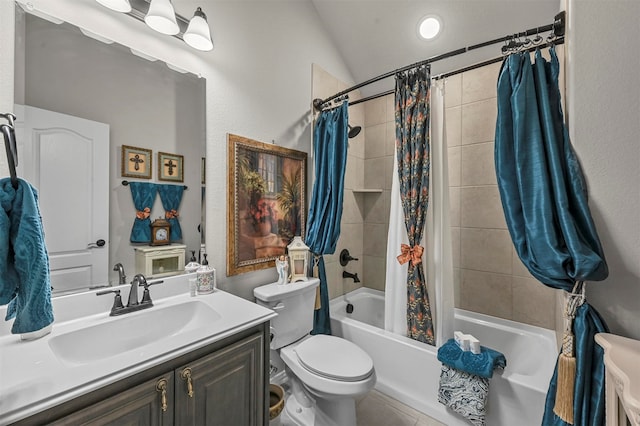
x: 266, y: 202
x: 170, y: 167
x: 136, y: 162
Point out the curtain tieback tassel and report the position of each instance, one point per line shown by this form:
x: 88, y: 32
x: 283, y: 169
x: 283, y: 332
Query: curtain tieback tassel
x: 143, y: 214
x: 413, y: 254
x: 170, y: 214
x: 563, y: 407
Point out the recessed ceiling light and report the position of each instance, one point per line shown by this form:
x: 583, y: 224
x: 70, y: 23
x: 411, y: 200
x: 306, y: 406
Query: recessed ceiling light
x: 429, y: 27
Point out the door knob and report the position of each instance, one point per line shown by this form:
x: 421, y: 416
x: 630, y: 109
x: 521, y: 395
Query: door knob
x: 97, y: 244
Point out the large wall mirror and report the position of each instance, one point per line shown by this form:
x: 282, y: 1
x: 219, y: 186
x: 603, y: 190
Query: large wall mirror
x: 61, y: 72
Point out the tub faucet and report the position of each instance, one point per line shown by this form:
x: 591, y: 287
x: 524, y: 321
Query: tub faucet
x: 122, y: 278
x: 346, y: 274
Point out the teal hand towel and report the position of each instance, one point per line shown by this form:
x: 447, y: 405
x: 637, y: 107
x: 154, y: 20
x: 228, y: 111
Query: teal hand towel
x: 24, y: 262
x: 481, y: 364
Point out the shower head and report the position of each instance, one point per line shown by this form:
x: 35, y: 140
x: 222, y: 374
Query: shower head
x: 353, y: 131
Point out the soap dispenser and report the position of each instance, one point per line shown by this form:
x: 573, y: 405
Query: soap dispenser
x: 192, y: 266
x: 205, y: 277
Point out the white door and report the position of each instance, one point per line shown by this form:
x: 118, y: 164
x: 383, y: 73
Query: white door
x: 67, y: 159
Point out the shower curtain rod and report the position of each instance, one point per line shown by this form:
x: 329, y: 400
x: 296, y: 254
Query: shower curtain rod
x: 557, y: 41
x: 558, y: 28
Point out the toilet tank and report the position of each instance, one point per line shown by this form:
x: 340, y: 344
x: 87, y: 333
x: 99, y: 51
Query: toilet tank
x: 294, y: 304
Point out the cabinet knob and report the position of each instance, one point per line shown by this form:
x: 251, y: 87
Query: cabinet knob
x: 186, y: 376
x: 161, y: 386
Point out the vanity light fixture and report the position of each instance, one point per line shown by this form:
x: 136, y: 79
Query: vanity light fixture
x: 118, y: 5
x: 198, y: 34
x: 160, y: 16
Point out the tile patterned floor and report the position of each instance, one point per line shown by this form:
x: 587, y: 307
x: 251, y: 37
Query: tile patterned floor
x: 377, y: 409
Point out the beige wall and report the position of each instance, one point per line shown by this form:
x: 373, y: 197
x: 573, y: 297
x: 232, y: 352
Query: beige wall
x: 237, y: 99
x: 604, y: 110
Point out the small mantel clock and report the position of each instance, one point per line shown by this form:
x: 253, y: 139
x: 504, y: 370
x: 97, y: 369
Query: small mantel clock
x: 160, y: 232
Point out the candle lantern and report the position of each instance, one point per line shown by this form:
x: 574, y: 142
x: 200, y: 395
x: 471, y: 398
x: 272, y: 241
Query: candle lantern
x: 298, y: 259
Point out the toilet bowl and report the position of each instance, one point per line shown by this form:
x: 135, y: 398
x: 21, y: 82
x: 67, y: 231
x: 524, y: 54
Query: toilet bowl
x: 325, y: 373
x: 330, y: 367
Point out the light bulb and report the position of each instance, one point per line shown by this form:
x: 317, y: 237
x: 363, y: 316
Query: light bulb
x: 162, y: 17
x: 429, y: 27
x: 198, y: 34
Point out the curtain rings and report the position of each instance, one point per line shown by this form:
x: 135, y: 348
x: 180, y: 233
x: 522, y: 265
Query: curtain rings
x: 505, y: 48
x: 334, y: 103
x: 514, y: 44
x: 538, y: 38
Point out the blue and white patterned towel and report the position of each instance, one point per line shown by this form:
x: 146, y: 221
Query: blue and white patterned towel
x: 464, y: 393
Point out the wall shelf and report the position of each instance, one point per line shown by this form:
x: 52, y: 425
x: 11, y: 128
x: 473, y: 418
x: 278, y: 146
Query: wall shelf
x: 367, y: 191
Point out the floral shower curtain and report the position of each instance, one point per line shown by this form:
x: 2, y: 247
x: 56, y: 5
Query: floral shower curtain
x: 143, y: 194
x: 544, y: 198
x: 171, y: 196
x: 323, y: 225
x: 436, y: 239
x: 413, y: 162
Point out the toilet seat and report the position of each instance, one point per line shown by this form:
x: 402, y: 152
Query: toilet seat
x: 334, y: 358
x: 321, y: 385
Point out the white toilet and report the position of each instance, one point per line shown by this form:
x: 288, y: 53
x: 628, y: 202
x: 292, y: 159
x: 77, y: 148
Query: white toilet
x: 325, y: 373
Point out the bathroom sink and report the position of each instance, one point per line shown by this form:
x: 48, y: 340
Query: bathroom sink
x: 132, y: 332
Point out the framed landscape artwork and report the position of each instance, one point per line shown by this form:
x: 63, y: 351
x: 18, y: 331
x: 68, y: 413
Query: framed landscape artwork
x: 266, y: 202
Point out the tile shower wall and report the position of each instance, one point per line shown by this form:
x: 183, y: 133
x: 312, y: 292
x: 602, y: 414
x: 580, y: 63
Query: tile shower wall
x: 488, y: 275
x: 379, y: 129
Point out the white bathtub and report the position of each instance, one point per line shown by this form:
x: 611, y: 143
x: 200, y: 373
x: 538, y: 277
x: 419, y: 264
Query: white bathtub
x: 409, y: 371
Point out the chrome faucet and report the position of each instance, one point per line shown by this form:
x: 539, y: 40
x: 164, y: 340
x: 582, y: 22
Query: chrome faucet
x: 122, y: 278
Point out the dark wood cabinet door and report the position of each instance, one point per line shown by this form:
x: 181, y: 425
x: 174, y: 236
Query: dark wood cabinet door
x: 225, y: 388
x: 149, y: 403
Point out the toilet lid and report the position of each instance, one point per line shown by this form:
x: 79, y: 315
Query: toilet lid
x: 334, y: 358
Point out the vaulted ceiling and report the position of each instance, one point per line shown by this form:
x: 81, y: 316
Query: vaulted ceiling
x: 377, y: 36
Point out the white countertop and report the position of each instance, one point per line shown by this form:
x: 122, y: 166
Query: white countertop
x: 33, y: 378
x: 621, y: 356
